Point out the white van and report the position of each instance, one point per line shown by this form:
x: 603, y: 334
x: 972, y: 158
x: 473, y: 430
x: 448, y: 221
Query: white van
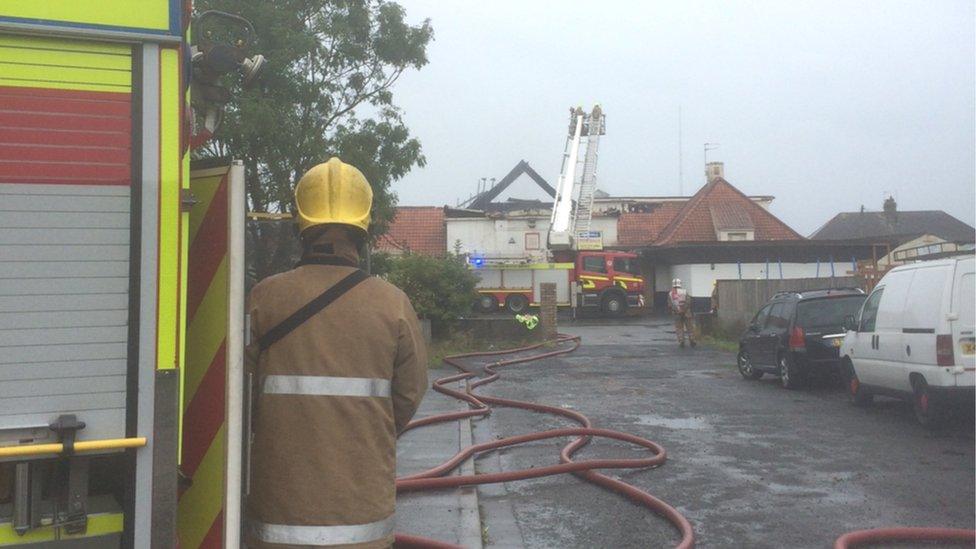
x: 914, y: 338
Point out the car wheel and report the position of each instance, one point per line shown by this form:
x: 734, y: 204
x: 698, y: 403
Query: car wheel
x: 614, y: 304
x: 789, y: 376
x: 856, y: 392
x: 487, y: 303
x: 929, y: 411
x: 746, y: 368
x: 517, y: 304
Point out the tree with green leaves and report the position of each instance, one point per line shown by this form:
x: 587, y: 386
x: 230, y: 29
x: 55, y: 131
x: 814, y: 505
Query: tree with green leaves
x: 325, y: 92
x: 441, y: 289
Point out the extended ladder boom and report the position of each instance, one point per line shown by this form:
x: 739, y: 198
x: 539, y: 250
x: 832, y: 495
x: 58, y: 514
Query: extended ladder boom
x: 577, y: 179
x: 561, y: 223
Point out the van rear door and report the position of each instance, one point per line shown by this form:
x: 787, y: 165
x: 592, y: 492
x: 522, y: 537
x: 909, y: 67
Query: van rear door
x: 964, y: 307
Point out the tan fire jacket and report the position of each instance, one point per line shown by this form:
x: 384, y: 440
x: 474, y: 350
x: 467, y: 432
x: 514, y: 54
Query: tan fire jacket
x: 330, y: 398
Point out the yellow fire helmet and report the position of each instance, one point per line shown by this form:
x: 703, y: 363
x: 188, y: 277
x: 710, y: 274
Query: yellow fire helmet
x: 333, y: 192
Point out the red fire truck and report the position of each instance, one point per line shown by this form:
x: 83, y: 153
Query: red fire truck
x: 604, y: 280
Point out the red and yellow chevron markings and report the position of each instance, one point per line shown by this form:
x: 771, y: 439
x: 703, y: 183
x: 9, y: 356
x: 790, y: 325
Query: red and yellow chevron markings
x: 204, y: 421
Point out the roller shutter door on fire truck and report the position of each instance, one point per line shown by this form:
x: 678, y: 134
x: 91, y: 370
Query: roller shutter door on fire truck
x: 65, y: 175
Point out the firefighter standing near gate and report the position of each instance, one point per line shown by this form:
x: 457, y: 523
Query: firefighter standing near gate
x: 680, y: 306
x: 341, y: 367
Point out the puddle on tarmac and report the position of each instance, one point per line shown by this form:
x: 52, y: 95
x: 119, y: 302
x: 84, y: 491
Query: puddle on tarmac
x: 672, y: 422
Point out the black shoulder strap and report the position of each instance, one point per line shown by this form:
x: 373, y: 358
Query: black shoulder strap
x: 311, y: 309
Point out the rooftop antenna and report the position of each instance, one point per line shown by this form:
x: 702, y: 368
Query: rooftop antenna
x: 681, y: 175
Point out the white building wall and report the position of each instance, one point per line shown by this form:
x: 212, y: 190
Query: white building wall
x: 698, y: 278
x: 607, y: 226
x: 506, y: 238
x: 503, y: 238
x: 662, y: 278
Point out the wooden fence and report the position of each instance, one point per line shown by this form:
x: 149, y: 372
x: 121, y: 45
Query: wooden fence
x: 740, y: 299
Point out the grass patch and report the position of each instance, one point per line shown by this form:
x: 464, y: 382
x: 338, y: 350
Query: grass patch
x: 720, y: 343
x: 465, y: 342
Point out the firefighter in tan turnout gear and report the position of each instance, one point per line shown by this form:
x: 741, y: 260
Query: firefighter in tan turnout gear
x: 340, y: 368
x: 679, y: 303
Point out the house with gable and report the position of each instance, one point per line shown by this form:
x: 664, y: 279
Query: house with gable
x: 722, y: 234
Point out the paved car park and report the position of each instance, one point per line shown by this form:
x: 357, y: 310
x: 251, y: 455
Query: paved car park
x: 750, y: 463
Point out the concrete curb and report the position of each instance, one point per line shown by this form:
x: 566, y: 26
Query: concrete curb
x: 470, y: 533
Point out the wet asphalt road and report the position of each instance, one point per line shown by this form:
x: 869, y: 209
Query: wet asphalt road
x: 749, y: 463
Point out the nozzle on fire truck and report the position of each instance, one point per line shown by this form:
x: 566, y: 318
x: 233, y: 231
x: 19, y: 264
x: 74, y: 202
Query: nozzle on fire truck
x: 220, y: 42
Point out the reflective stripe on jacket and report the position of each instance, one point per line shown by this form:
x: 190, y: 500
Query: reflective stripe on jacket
x: 330, y: 398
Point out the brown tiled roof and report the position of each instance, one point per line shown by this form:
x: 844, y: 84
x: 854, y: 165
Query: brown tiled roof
x: 729, y: 216
x: 694, y: 223
x: 640, y: 229
x: 418, y: 229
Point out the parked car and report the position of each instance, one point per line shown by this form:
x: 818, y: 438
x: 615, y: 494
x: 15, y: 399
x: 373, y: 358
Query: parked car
x: 798, y: 334
x: 914, y: 338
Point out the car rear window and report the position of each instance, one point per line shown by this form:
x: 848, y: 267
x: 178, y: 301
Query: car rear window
x: 828, y: 311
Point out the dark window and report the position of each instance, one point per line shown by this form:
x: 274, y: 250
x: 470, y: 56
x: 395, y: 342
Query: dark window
x: 760, y: 317
x: 778, y: 318
x: 828, y: 312
x: 869, y: 314
x: 594, y: 264
x: 624, y: 265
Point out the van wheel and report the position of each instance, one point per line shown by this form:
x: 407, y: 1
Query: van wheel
x: 858, y: 395
x: 746, y: 368
x: 789, y: 374
x: 929, y: 411
x: 517, y: 304
x: 614, y: 304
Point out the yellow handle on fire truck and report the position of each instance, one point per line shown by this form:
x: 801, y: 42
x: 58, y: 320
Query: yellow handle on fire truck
x: 81, y: 446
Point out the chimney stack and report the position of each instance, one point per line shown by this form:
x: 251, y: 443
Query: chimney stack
x: 891, y: 210
x: 714, y: 170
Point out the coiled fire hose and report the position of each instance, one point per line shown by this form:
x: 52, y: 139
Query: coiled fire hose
x: 436, y: 478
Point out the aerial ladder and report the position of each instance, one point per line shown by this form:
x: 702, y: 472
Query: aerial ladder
x: 573, y: 204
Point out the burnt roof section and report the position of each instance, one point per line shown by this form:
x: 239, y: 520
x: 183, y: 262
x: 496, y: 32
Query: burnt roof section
x: 484, y: 199
x: 907, y: 224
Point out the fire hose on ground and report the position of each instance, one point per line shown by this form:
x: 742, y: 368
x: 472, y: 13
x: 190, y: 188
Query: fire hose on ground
x: 436, y: 478
x: 480, y: 406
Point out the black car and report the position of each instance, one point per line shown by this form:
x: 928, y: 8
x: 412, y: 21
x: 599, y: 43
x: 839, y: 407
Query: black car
x: 797, y: 334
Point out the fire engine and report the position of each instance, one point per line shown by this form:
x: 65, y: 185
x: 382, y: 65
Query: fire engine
x: 586, y: 276
x: 121, y: 299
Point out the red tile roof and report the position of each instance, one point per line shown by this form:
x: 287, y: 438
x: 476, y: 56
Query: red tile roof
x: 418, y: 229
x: 730, y: 216
x: 640, y: 229
x: 694, y: 223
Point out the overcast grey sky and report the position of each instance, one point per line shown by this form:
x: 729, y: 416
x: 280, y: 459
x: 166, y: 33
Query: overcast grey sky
x: 826, y: 105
